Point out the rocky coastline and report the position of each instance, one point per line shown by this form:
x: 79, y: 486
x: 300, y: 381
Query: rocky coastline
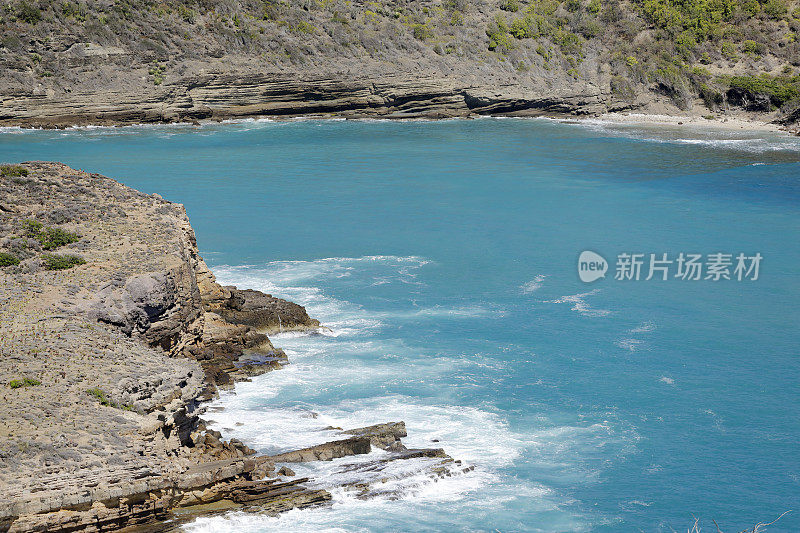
x: 224, y: 96
x: 113, y: 334
x: 221, y: 96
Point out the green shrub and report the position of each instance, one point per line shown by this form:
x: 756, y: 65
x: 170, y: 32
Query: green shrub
x: 13, y: 171
x: 779, y: 89
x: 775, y: 9
x: 544, y: 7
x: 421, y: 32
x: 729, y: 51
x: 590, y: 28
x: 61, y: 261
x: 521, y: 29
x: 100, y: 396
x: 28, y: 13
x: 594, y: 7
x: 702, y: 17
x: 672, y: 80
x: 712, y: 98
x: 751, y: 7
x: 49, y: 238
x: 157, y: 72
x: 499, y: 37
x: 542, y: 51
x: 26, y: 382
x: 186, y: 13
x: 303, y: 27
x: 510, y: 5
x: 7, y: 259
x: 74, y: 10
x: 572, y: 5
x: 570, y: 43
x: 753, y: 48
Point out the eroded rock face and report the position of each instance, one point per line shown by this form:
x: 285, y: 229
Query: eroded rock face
x: 119, y: 350
x: 223, y: 93
x: 265, y: 312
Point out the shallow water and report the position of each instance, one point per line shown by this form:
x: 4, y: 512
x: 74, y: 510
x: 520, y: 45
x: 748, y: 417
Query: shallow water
x: 443, y: 257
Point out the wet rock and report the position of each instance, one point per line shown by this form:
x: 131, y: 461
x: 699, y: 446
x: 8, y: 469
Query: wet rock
x: 286, y: 471
x: 384, y: 436
x: 265, y: 312
x: 325, y: 452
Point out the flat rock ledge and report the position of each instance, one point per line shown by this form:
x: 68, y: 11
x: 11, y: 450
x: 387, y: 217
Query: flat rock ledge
x: 107, y: 364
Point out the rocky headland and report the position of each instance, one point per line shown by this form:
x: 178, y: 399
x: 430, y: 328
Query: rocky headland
x: 113, y: 334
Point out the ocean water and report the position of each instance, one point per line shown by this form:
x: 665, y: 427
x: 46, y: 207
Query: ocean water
x: 442, y: 256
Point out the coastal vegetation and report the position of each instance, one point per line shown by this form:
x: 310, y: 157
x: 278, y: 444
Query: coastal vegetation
x: 26, y: 382
x: 35, y: 237
x: 13, y: 171
x: 49, y: 238
x: 101, y: 396
x: 721, y: 53
x: 8, y: 259
x: 61, y: 261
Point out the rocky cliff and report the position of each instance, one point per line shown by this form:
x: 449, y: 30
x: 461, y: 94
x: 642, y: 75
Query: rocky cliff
x: 112, y: 333
x: 134, y: 61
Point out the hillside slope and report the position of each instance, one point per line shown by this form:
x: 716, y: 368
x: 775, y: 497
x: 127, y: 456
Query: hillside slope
x: 121, y: 61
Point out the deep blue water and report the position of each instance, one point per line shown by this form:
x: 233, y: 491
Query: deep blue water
x: 443, y: 256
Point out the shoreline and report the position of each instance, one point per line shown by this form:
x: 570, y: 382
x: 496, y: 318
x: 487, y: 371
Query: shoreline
x: 722, y: 123
x: 117, y: 355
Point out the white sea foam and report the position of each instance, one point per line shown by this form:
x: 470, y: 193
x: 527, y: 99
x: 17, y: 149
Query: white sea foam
x: 629, y: 344
x: 298, y: 405
x: 644, y: 327
x: 533, y: 285
x: 418, y: 513
x: 580, y: 305
x: 478, y: 437
x: 709, y: 134
x: 294, y: 280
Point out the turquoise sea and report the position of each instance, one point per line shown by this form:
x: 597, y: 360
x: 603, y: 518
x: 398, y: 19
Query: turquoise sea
x: 443, y: 257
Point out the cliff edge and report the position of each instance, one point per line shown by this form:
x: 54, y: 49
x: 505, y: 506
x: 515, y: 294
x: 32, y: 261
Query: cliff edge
x: 113, y: 332
x: 110, y: 339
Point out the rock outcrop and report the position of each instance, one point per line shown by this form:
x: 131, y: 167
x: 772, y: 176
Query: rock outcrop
x: 265, y: 312
x: 113, y: 356
x: 113, y: 331
x: 223, y: 96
